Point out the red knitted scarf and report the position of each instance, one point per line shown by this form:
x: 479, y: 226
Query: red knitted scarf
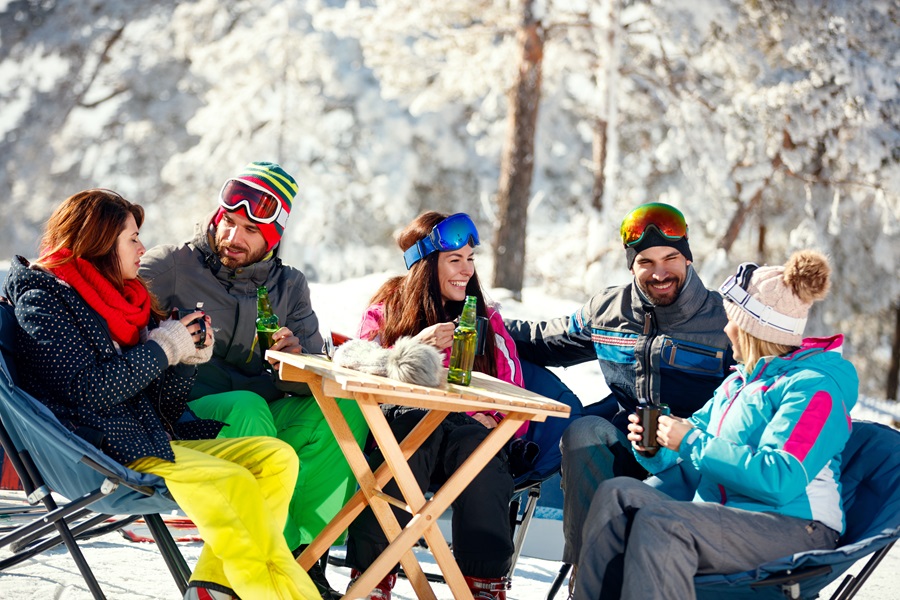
x: 126, y: 314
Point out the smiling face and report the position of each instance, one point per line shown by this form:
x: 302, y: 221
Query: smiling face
x: 455, y: 268
x: 660, y: 272
x: 239, y: 241
x: 129, y: 249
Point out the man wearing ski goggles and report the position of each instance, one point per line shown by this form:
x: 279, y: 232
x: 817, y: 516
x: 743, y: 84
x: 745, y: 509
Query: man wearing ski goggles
x: 260, y: 204
x: 658, y: 339
x: 452, y: 233
x: 654, y: 224
x: 231, y: 254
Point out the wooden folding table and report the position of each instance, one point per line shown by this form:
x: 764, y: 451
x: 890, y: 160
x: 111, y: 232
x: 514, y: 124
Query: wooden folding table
x: 329, y: 381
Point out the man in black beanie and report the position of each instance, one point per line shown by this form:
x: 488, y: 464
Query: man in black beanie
x: 658, y: 339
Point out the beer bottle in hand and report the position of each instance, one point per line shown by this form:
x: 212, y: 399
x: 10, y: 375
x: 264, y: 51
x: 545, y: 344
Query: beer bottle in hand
x: 266, y: 320
x: 465, y: 341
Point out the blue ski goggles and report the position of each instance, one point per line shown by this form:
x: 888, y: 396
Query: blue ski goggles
x: 452, y: 233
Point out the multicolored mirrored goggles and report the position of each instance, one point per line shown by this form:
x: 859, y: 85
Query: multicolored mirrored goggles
x: 735, y: 290
x: 452, y: 233
x: 665, y: 219
x: 261, y: 205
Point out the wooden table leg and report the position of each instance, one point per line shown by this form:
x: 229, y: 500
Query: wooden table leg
x: 357, y: 502
x: 424, y: 522
x: 409, y: 488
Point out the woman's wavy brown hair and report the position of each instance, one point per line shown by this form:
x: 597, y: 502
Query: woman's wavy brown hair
x: 89, y: 223
x: 413, y: 301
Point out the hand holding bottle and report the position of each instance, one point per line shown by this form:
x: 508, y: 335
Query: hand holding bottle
x: 439, y: 336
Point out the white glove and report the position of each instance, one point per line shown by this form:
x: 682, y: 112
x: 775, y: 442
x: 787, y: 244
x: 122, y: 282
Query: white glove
x: 201, y: 355
x: 175, y: 340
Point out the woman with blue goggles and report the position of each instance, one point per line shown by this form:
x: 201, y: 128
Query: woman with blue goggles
x: 452, y: 233
x: 422, y: 304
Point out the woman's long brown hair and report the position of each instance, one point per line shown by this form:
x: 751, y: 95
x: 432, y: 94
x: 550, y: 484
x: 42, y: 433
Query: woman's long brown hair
x: 89, y: 223
x: 413, y: 302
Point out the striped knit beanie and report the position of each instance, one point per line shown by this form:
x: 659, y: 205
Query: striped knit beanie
x: 269, y: 176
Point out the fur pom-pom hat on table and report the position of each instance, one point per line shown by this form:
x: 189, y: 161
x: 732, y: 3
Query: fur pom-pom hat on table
x: 408, y: 361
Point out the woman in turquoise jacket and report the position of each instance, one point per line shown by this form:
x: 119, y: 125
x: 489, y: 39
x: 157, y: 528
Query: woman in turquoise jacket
x: 764, y: 451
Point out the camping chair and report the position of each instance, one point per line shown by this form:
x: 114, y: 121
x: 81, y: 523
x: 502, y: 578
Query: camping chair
x: 870, y: 490
x: 48, y: 458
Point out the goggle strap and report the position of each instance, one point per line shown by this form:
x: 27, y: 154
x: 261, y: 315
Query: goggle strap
x: 763, y: 313
x: 432, y: 242
x: 414, y: 254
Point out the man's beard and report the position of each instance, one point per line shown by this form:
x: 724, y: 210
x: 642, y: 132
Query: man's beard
x: 232, y: 262
x: 662, y: 300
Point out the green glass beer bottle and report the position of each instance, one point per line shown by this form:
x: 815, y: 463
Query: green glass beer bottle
x: 465, y: 340
x: 266, y: 320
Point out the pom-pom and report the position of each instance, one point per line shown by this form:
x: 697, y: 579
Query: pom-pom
x: 415, y: 363
x: 808, y: 274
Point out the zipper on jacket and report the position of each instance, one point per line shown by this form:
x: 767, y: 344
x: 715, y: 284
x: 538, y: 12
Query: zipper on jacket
x: 649, y: 334
x: 695, y: 349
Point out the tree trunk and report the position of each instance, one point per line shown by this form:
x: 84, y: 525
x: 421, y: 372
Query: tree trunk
x: 517, y: 165
x: 737, y: 220
x: 893, y: 375
x: 599, y: 163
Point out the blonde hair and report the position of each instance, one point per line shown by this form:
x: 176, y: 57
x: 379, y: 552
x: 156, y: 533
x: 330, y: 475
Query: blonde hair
x: 753, y: 349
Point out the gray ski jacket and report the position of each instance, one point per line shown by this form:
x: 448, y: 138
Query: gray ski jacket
x: 183, y: 275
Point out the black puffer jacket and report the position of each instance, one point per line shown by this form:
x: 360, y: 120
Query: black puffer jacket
x: 125, y: 403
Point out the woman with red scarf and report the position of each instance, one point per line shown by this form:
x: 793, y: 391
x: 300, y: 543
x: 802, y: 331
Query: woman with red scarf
x: 93, y: 345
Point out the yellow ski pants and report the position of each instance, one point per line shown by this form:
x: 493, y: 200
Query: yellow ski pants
x: 237, y: 492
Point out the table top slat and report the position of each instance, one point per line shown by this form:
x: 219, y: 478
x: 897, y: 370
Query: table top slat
x: 485, y: 392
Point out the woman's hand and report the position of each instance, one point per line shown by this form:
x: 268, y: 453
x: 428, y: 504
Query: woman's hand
x: 635, y: 432
x: 671, y: 430
x: 194, y: 328
x: 440, y: 336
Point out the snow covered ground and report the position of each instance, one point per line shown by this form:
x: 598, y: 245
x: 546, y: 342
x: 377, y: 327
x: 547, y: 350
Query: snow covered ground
x: 130, y: 570
x: 136, y: 571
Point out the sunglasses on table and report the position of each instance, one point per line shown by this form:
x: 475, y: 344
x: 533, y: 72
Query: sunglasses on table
x: 261, y: 205
x: 452, y: 233
x: 666, y: 220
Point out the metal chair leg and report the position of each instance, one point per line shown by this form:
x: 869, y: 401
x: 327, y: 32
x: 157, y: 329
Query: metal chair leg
x: 557, y: 583
x: 178, y: 567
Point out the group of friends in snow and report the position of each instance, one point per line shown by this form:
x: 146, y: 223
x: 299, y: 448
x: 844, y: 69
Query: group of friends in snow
x: 755, y: 414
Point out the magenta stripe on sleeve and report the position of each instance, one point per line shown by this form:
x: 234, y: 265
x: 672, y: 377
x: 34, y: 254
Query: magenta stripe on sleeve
x: 807, y: 429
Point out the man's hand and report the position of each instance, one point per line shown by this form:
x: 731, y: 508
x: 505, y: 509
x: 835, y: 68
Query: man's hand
x: 284, y: 340
x: 440, y: 336
x: 671, y: 431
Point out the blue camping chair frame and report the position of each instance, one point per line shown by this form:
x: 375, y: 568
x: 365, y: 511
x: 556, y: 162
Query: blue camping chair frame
x: 870, y: 490
x: 49, y: 459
